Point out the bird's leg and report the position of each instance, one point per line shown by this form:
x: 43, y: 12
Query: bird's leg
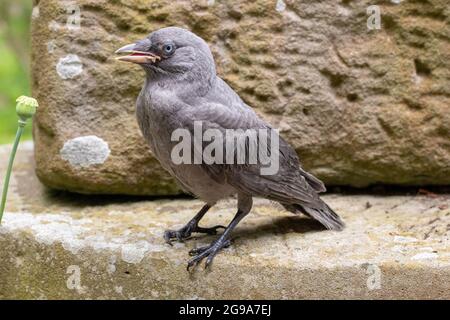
x: 190, y: 227
x: 210, y: 251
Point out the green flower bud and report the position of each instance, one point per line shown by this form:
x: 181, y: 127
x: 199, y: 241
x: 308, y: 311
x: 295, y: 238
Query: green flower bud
x: 26, y: 107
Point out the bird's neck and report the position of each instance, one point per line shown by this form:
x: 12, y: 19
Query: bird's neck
x: 187, y: 84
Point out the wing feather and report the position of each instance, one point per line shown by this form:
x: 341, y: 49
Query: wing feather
x: 290, y: 185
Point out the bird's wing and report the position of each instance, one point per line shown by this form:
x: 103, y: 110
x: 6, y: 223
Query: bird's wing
x: 288, y: 185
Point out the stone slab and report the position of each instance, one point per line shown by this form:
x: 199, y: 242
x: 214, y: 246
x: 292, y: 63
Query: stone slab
x: 57, y: 245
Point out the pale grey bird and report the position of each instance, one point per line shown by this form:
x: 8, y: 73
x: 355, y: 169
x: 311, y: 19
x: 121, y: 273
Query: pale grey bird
x: 181, y: 86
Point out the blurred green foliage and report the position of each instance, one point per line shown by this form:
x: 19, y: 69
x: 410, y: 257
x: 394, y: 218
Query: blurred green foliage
x: 14, y: 63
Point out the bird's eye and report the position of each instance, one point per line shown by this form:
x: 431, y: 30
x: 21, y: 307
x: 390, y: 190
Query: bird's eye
x: 168, y: 48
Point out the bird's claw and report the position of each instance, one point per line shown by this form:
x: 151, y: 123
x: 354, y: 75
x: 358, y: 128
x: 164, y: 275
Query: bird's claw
x: 186, y: 232
x: 178, y: 235
x: 208, y: 252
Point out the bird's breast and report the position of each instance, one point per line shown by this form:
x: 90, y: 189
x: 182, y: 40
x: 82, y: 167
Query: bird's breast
x: 153, y: 126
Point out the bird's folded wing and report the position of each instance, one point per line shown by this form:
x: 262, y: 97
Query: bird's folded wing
x: 288, y: 185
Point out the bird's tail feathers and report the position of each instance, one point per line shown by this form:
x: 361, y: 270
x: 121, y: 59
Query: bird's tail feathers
x: 323, y: 213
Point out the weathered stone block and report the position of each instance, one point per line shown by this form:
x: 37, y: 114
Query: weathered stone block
x: 65, y: 246
x: 360, y: 106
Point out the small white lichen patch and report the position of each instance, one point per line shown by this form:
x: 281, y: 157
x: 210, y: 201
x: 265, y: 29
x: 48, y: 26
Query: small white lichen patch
x: 402, y: 239
x: 429, y: 249
x: 35, y: 13
x: 19, y: 261
x: 425, y: 256
x: 85, y: 151
x: 51, y: 46
x: 154, y: 294
x: 54, y: 26
x: 417, y: 79
x: 343, y: 11
x: 136, y: 252
x: 400, y: 249
x: 281, y: 6
x: 111, y: 265
x: 69, y: 67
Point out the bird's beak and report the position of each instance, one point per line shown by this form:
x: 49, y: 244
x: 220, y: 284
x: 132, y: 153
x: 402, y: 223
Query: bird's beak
x: 133, y: 54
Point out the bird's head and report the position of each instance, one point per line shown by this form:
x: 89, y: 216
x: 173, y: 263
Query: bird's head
x: 171, y: 52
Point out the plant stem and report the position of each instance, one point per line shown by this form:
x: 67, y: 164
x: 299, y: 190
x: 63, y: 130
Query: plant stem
x: 10, y: 165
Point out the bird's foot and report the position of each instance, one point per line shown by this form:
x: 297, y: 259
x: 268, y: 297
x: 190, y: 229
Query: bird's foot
x: 208, y: 252
x: 186, y: 232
